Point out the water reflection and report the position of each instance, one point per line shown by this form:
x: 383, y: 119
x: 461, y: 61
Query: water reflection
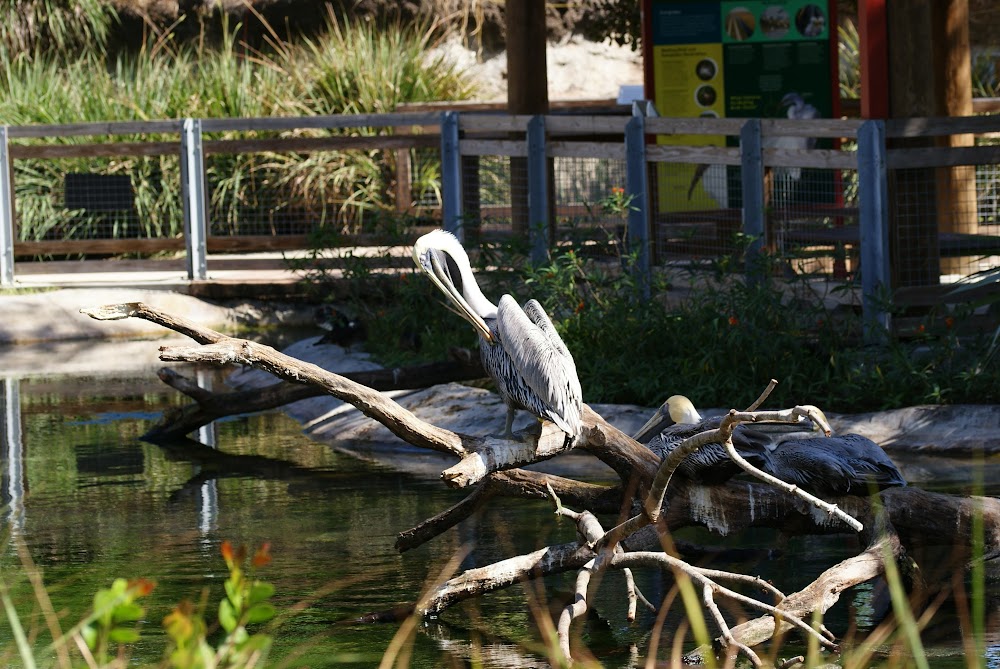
x: 13, y: 483
x: 101, y: 504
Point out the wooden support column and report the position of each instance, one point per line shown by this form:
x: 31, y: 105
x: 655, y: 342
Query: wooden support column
x: 913, y: 231
x: 527, y: 91
x: 929, y: 75
x: 956, y: 186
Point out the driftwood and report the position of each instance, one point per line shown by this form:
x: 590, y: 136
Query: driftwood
x: 650, y: 504
x: 209, y: 406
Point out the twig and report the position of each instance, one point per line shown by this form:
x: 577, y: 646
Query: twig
x: 830, y: 509
x: 771, y: 385
x: 577, y: 608
x: 662, y: 559
x: 727, y: 635
x: 432, y: 527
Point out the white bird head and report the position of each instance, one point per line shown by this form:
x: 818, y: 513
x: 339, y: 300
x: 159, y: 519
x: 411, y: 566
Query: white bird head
x: 798, y: 108
x: 682, y: 410
x: 441, y: 256
x: 677, y: 408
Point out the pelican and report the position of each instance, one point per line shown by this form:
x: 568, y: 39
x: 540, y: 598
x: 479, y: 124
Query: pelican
x: 797, y: 109
x: 826, y: 466
x: 520, y: 349
x: 677, y: 419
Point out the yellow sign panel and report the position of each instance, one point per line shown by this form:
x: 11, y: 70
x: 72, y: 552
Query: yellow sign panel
x: 688, y: 82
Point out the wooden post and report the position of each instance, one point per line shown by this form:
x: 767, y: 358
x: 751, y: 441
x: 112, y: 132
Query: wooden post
x: 913, y: 228
x: 930, y: 76
x: 956, y: 186
x: 527, y: 91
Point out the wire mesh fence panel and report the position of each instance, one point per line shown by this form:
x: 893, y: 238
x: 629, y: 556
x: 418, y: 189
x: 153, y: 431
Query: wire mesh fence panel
x: 695, y: 211
x: 334, y: 192
x: 278, y: 194
x: 988, y: 197
x: 937, y: 233
x: 812, y: 226
x: 422, y: 182
x: 104, y: 198
x: 488, y: 195
x: 591, y: 206
x: 943, y: 209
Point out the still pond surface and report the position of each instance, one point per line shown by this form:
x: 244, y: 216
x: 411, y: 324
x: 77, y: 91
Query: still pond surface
x: 90, y: 501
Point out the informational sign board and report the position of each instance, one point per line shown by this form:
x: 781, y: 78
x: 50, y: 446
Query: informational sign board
x: 735, y: 59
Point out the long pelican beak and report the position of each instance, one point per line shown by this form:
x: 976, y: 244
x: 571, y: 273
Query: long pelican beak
x: 656, y: 422
x: 433, y: 262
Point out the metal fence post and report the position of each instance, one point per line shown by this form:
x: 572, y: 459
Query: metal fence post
x: 752, y: 179
x: 193, y: 194
x: 637, y: 189
x: 451, y: 176
x: 873, y: 205
x: 6, y: 213
x: 538, y: 191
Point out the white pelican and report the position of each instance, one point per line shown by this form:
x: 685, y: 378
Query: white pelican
x: 520, y: 349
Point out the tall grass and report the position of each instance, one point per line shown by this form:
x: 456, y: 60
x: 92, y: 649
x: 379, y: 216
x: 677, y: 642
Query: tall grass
x: 54, y: 26
x: 349, y: 69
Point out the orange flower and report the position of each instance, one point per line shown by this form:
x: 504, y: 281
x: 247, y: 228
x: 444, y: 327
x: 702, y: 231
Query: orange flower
x: 733, y: 321
x: 231, y: 556
x: 227, y: 550
x: 617, y: 190
x: 949, y: 322
x: 141, y: 586
x: 263, y: 555
x: 921, y: 328
x: 580, y: 307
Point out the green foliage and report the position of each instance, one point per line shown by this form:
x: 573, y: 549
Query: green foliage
x: 113, y: 623
x: 849, y: 53
x: 246, y: 603
x: 115, y: 612
x: 720, y: 344
x: 349, y: 69
x: 60, y: 27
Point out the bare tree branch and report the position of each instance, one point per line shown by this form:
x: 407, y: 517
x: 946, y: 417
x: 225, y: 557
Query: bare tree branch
x: 210, y: 406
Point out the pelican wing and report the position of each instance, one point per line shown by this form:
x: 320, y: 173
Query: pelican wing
x: 542, y: 359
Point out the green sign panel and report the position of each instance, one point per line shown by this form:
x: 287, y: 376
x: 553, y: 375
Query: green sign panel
x: 737, y: 59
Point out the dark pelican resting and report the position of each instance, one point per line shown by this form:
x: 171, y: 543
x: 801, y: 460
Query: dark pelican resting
x: 520, y: 349
x: 677, y: 420
x: 825, y: 466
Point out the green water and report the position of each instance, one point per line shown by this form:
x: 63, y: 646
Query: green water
x: 89, y: 501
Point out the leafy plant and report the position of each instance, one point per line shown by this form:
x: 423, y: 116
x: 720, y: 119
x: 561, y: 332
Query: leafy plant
x: 114, y: 609
x: 246, y: 603
x: 344, y: 70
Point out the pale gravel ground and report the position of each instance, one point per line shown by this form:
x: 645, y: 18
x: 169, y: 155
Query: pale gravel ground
x: 577, y: 69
